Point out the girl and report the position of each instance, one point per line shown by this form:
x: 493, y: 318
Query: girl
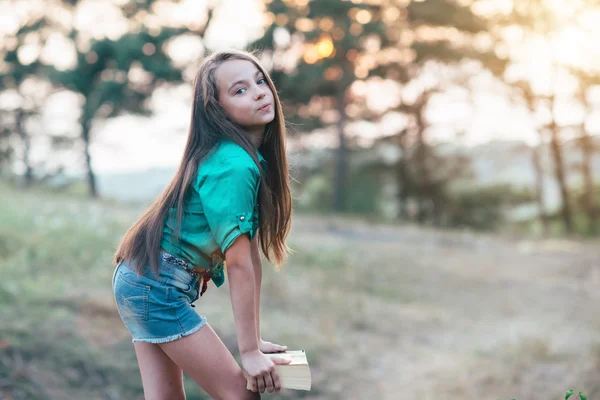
x: 229, y: 197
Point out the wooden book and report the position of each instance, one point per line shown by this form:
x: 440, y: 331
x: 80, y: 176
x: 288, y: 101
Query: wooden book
x: 295, y: 375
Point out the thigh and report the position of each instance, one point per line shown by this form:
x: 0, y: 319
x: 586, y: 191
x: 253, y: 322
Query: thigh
x: 161, y: 377
x: 203, y: 356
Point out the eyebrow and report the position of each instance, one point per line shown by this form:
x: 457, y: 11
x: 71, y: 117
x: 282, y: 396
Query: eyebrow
x: 258, y: 72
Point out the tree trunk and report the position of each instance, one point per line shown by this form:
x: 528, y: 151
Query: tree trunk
x: 423, y: 184
x: 559, y: 172
x: 402, y: 179
x: 91, y: 177
x: 423, y: 195
x: 539, y: 187
x: 26, y: 141
x: 587, y: 150
x: 5, y: 148
x: 341, y: 167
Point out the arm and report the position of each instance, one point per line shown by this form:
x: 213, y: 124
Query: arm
x: 259, y: 368
x: 265, y: 347
x: 242, y: 283
x: 257, y: 263
x: 228, y: 193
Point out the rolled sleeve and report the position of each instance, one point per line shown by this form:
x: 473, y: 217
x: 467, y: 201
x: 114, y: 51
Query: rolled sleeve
x: 228, y: 194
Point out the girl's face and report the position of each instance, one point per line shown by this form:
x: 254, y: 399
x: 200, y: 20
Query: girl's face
x: 244, y: 94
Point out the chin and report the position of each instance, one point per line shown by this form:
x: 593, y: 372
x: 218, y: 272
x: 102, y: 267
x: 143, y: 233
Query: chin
x: 267, y: 119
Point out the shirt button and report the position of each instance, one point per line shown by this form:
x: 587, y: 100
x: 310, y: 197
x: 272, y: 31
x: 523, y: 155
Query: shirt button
x: 242, y: 218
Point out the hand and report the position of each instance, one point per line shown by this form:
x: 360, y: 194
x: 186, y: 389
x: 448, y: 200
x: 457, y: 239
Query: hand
x: 260, y: 371
x: 268, y: 347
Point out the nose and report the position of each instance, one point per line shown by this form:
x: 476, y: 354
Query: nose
x: 260, y: 93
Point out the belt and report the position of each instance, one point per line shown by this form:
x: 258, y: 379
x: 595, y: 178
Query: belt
x: 215, y: 273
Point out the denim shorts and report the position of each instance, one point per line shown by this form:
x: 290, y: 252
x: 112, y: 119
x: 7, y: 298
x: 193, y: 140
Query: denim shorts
x: 157, y: 309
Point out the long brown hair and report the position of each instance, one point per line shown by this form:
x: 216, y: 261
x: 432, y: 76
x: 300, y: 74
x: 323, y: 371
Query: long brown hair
x: 210, y: 124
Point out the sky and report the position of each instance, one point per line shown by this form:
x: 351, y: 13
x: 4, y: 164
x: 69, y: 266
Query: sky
x: 134, y: 143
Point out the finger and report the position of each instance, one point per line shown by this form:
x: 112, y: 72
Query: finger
x: 269, y: 382
x: 251, y: 385
x: 260, y: 383
x: 280, y: 361
x: 276, y: 381
x: 278, y: 347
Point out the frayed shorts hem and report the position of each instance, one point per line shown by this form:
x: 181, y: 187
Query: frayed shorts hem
x: 172, y: 337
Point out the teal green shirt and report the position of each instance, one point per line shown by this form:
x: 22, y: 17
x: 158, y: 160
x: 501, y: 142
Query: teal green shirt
x: 220, y: 205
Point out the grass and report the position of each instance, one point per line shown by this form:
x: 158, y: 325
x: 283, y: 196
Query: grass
x: 380, y: 310
x: 55, y: 254
x: 61, y: 337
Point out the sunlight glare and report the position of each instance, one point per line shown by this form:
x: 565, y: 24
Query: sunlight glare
x: 325, y: 47
x: 311, y: 55
x: 590, y: 20
x: 305, y: 25
x: 391, y: 14
x: 185, y: 49
x: 28, y: 53
x: 326, y: 24
x: 9, y: 21
x: 539, y: 68
x: 491, y: 7
x: 59, y: 51
x: 191, y: 13
x: 100, y: 20
x: 363, y: 17
x: 566, y: 46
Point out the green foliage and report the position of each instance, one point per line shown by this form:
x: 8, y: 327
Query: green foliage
x: 454, y: 199
x: 116, y: 77
x: 314, y: 194
x: 103, y: 73
x: 365, y: 195
x: 14, y: 71
x: 6, y: 147
x: 356, y: 31
x: 15, y: 136
x: 580, y: 193
x: 568, y: 394
x: 581, y: 215
x: 571, y: 391
x: 482, y: 208
x: 309, y: 79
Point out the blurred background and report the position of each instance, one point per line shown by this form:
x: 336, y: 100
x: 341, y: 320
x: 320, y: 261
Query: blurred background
x: 445, y: 162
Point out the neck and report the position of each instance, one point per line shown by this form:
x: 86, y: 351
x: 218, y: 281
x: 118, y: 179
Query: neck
x: 257, y: 135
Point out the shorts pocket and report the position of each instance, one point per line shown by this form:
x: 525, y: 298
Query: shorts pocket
x: 132, y: 298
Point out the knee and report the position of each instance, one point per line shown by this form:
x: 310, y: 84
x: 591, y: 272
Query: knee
x: 235, y: 389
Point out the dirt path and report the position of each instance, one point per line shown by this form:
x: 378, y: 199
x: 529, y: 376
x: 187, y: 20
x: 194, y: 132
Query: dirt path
x: 467, y: 316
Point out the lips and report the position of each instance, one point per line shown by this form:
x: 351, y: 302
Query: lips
x: 265, y: 107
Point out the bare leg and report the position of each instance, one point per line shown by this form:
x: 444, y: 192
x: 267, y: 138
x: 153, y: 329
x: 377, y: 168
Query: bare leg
x: 204, y: 357
x: 161, y: 377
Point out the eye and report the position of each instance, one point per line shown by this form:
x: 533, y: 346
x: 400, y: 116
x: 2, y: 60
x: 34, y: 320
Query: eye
x: 240, y: 91
x: 261, y: 81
